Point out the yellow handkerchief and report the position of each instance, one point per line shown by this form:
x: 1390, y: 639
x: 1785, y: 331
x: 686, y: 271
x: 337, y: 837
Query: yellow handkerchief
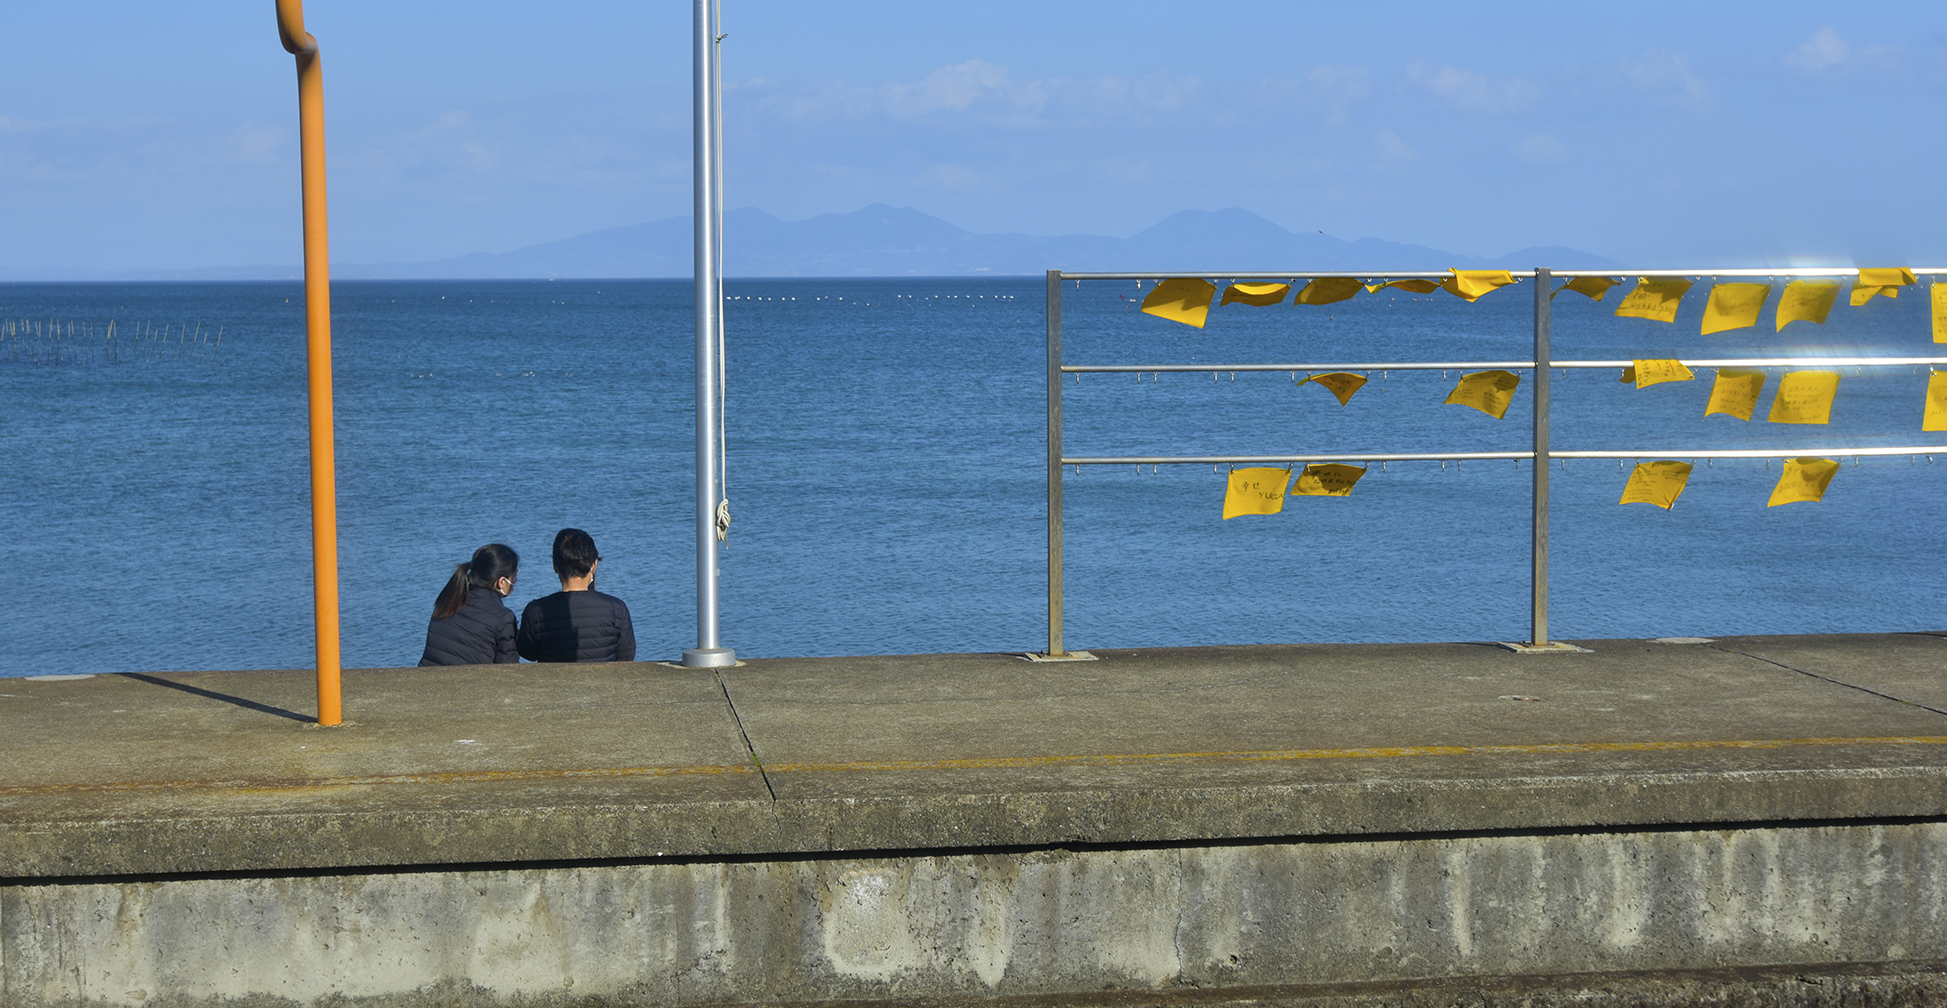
x: 1327, y: 480
x: 1469, y: 285
x: 1255, y: 491
x: 1255, y: 294
x: 1874, y: 282
x: 1487, y: 391
x: 1592, y: 287
x: 1416, y: 286
x: 1734, y: 306
x: 1735, y: 393
x: 1658, y: 483
x: 1807, y: 301
x: 1805, y: 397
x: 1935, y: 417
x: 1327, y: 290
x: 1342, y: 384
x: 1656, y: 372
x: 1939, y: 312
x: 1655, y: 299
x: 1185, y: 301
x: 1804, y: 479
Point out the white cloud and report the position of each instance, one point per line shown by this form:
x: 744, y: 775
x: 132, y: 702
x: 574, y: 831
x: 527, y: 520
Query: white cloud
x: 1540, y: 148
x: 1666, y: 76
x: 253, y: 144
x: 1827, y: 51
x: 1392, y: 155
x: 1474, y: 92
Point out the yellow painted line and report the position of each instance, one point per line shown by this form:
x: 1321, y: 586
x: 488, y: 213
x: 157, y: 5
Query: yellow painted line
x: 977, y: 763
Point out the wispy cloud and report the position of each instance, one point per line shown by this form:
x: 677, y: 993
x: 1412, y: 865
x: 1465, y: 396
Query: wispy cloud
x: 1392, y: 155
x: 1665, y: 76
x: 1471, y: 91
x: 1827, y: 52
x: 1540, y: 148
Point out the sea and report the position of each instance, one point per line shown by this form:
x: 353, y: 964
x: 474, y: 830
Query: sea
x: 886, y: 470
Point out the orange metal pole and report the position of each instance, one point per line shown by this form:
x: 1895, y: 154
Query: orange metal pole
x: 317, y: 319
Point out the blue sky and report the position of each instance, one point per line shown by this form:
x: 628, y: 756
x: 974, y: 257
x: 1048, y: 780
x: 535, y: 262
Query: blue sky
x: 1661, y: 134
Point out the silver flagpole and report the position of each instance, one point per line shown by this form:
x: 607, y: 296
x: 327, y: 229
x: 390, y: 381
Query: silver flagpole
x: 708, y: 652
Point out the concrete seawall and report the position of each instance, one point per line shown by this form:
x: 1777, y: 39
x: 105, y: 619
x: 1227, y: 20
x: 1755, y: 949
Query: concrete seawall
x: 1754, y: 821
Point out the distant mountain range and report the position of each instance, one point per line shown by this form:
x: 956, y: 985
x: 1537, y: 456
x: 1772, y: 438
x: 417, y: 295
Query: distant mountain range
x: 899, y: 241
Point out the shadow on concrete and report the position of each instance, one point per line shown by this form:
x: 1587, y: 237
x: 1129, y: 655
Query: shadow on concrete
x: 213, y: 695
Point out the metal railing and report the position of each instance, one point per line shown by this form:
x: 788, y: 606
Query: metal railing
x: 1541, y: 453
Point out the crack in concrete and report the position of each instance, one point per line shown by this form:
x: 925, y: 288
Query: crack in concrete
x: 1835, y: 682
x: 762, y: 773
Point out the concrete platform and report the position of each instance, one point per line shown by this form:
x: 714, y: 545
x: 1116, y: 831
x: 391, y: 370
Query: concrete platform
x: 195, y: 774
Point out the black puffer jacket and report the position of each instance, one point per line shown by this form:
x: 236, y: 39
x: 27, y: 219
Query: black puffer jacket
x: 577, y: 626
x: 481, y: 633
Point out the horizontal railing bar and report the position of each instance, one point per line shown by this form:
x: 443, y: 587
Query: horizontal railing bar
x: 1466, y: 365
x: 1408, y: 366
x: 1783, y: 271
x: 1222, y: 459
x: 1713, y: 453
x: 1749, y: 453
x: 1770, y: 362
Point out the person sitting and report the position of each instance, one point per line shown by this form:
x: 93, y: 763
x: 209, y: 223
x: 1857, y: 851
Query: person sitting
x: 577, y: 623
x: 470, y: 624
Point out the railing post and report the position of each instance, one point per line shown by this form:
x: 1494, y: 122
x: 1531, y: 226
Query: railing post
x: 1538, y: 636
x: 317, y: 342
x: 1054, y: 464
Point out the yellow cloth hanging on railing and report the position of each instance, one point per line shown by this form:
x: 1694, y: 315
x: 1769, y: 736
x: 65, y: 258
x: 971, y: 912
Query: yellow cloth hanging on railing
x: 1487, y: 391
x: 1417, y: 286
x: 1326, y: 479
x: 1469, y: 285
x: 1655, y: 372
x: 1255, y: 491
x: 1806, y: 301
x: 1185, y: 301
x: 1735, y: 393
x: 1654, y: 298
x: 1804, y: 479
x: 1255, y: 294
x: 1875, y: 282
x: 1592, y: 288
x: 1734, y: 306
x: 1658, y: 483
x: 1805, y: 397
x: 1939, y: 312
x: 1342, y: 384
x: 1328, y: 290
x: 1935, y: 415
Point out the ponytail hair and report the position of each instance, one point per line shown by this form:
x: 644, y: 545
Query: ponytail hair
x: 490, y: 563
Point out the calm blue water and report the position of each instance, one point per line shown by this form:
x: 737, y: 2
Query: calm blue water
x: 886, y: 472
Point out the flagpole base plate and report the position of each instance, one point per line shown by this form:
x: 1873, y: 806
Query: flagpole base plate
x: 715, y: 657
x: 1035, y: 656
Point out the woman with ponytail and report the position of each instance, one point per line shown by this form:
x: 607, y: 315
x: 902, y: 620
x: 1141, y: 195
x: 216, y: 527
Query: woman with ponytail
x: 471, y: 625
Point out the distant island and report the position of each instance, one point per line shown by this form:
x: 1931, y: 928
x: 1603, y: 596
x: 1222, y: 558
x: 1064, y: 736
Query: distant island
x: 880, y: 240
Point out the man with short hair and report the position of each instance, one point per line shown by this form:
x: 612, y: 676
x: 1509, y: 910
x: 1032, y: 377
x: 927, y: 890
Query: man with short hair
x: 577, y: 623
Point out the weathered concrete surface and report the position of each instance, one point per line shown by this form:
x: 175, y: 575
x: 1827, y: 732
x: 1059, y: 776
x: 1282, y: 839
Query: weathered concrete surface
x: 216, y: 771
x: 975, y: 925
x: 1302, y: 825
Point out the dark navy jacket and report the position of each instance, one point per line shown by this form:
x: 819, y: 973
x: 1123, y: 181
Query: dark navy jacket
x: 577, y: 626
x: 481, y: 633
